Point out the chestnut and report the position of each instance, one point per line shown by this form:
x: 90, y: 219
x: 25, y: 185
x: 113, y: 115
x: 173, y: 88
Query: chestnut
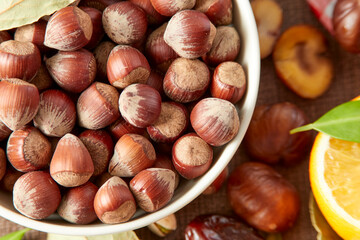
x: 132, y: 154
x: 262, y: 197
x: 36, y: 195
x: 2, y: 163
x: 101, y: 54
x: 170, y: 7
x: 186, y: 80
x: 191, y: 156
x: 28, y: 149
x: 215, y: 120
x: 268, y: 137
x: 218, y: 11
x: 77, y: 205
x: 153, y: 188
x: 140, y: 105
x: 114, y: 203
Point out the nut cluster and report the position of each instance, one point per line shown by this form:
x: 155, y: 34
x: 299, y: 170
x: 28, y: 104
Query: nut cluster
x: 90, y: 97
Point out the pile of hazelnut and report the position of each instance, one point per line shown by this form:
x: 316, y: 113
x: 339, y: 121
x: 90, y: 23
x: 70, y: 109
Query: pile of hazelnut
x: 157, y: 78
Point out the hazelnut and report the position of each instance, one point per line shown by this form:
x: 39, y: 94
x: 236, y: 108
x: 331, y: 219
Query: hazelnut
x: 215, y: 120
x: 186, y: 80
x: 19, y: 102
x: 101, y: 54
x: 98, y: 30
x: 69, y: 29
x: 164, y: 161
x: 73, y: 71
x: 153, y: 17
x: 155, y: 80
x: 153, y: 188
x: 127, y: 65
x: 164, y: 226
x: 217, y: 184
x: 2, y: 163
x: 218, y: 11
x: 101, y: 148
x: 132, y: 154
x: 268, y: 137
x: 190, y: 33
x: 140, y: 105
x: 9, y: 179
x: 262, y: 197
x: 34, y: 33
x: 226, y: 46
x: 171, y: 124
x: 71, y: 164
x: 77, y: 205
x: 157, y: 50
x: 191, y: 156
x: 19, y: 60
x: 124, y: 22
x: 121, y: 127
x: 42, y: 79
x: 114, y: 203
x: 4, y: 131
x: 36, y: 195
x: 170, y: 7
x: 97, y: 106
x: 102, y: 178
x: 98, y: 4
x: 228, y: 82
x: 28, y: 149
x: 4, y: 36
x: 56, y: 115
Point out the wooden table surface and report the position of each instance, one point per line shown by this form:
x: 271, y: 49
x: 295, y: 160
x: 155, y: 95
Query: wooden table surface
x: 345, y: 86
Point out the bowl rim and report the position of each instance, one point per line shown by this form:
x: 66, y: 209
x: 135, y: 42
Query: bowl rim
x: 246, y: 20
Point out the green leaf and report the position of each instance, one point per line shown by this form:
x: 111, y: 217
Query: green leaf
x: 16, y: 13
x: 342, y: 122
x: 325, y: 232
x: 15, y: 235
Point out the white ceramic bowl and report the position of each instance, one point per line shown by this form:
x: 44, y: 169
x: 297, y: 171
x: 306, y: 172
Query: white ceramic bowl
x: 188, y: 190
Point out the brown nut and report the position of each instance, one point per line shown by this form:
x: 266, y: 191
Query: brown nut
x: 98, y: 30
x: 97, y: 106
x: 101, y: 54
x: 153, y: 188
x: 73, y: 71
x: 268, y: 137
x: 77, y: 205
x: 28, y: 149
x: 9, y: 179
x: 124, y: 22
x: 155, y: 80
x: 164, y: 161
x: 114, y: 203
x: 215, y: 120
x: 19, y: 102
x: 191, y: 156
x: 71, y: 164
x: 132, y: 154
x: 42, y: 79
x: 2, y: 163
x: 4, y: 131
x: 98, y: 4
x: 69, y: 29
x: 217, y: 184
x: 218, y: 11
x: 164, y: 226
x: 170, y: 7
x: 36, y: 195
x: 34, y: 33
x: 56, y: 115
x: 153, y: 17
x: 100, y: 146
x: 19, y: 60
x: 4, y: 36
x: 262, y: 197
x: 121, y: 127
x: 190, y: 33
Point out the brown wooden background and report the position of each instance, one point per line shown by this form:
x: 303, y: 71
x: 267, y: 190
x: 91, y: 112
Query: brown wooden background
x: 345, y: 86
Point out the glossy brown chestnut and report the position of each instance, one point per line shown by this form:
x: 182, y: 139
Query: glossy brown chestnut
x: 69, y: 29
x: 19, y: 102
x: 268, y: 138
x: 218, y: 11
x: 71, y: 164
x: 215, y: 120
x: 19, y: 60
x: 140, y: 105
x: 153, y: 17
x: 132, y: 154
x: 226, y: 46
x: 73, y: 71
x: 56, y: 115
x: 127, y: 65
x: 98, y: 4
x: 158, y: 51
x: 171, y: 124
x: 228, y: 82
x: 191, y: 156
x: 186, y: 80
x: 153, y: 188
x: 121, y: 127
x: 36, y: 195
x: 101, y: 54
x: 98, y: 30
x: 77, y: 205
x: 2, y: 163
x: 34, y: 33
x: 100, y: 146
x: 170, y: 7
x: 190, y: 33
x: 28, y: 149
x: 217, y: 184
x: 262, y: 197
x: 114, y: 203
x: 97, y: 106
x: 124, y: 22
